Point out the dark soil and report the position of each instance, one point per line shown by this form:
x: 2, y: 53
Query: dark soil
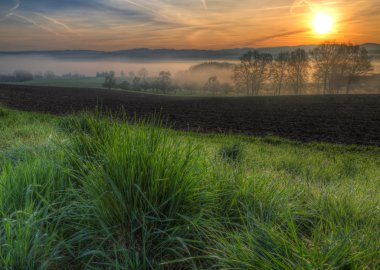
x: 352, y: 119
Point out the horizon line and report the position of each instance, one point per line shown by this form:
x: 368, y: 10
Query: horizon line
x: 171, y: 49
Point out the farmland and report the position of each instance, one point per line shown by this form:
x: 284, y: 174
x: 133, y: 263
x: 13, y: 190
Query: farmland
x: 351, y: 119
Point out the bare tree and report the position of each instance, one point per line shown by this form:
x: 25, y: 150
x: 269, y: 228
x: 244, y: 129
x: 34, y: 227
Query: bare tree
x: 143, y: 73
x: 252, y: 71
x: 358, y: 64
x: 242, y: 78
x: 324, y: 58
x: 212, y: 85
x: 339, y: 64
x: 280, y: 72
x: 298, y: 70
x: 164, y: 81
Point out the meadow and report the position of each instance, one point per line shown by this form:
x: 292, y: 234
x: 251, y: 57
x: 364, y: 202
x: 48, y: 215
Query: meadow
x: 92, y: 191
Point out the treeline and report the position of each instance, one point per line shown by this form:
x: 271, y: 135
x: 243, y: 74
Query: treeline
x: 330, y: 67
x: 25, y: 76
x: 163, y: 83
x: 17, y: 76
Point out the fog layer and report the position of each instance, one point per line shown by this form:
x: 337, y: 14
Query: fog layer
x: 36, y: 64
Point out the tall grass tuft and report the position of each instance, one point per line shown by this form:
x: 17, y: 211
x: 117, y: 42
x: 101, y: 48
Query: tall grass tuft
x: 29, y: 193
x: 147, y: 186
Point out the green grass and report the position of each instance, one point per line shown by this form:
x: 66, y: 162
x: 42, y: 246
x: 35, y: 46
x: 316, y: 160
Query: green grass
x: 92, y: 192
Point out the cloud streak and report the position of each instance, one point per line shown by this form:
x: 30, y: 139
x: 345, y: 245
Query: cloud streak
x: 41, y: 26
x: 50, y: 19
x: 122, y: 24
x: 12, y: 10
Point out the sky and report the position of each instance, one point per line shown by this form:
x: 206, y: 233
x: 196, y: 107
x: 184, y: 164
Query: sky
x: 109, y: 25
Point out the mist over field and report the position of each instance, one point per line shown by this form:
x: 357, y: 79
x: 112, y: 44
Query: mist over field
x: 36, y: 64
x: 88, y: 63
x: 192, y: 76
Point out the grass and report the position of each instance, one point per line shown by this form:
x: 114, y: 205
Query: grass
x: 91, y: 192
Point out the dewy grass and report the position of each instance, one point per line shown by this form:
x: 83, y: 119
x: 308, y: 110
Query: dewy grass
x: 29, y: 192
x: 145, y: 185
x: 94, y: 192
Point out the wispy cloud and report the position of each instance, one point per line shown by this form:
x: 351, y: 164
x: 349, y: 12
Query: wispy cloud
x: 55, y: 21
x: 120, y: 24
x: 41, y: 26
x: 11, y: 10
x: 278, y: 35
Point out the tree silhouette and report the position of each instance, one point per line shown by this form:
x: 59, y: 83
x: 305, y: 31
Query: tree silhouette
x: 298, y: 70
x: 339, y: 64
x: 143, y: 74
x: 110, y: 80
x: 212, y: 85
x: 252, y: 71
x: 280, y: 72
x: 358, y: 64
x: 164, y: 81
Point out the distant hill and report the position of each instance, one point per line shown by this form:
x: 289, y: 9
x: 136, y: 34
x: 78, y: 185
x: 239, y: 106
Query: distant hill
x: 144, y: 54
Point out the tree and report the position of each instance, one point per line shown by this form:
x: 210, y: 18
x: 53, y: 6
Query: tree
x: 340, y: 64
x: 164, y: 81
x: 49, y: 75
x: 110, y: 80
x: 22, y: 76
x: 212, y: 85
x: 136, y: 83
x: 358, y: 64
x: 242, y: 77
x: 298, y: 70
x: 280, y: 72
x: 252, y: 71
x: 328, y: 61
x: 143, y: 73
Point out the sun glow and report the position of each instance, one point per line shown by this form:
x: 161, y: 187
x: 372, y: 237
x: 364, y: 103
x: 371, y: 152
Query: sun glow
x: 323, y: 23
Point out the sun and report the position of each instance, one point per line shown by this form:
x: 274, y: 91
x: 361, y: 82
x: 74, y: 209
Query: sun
x: 323, y: 23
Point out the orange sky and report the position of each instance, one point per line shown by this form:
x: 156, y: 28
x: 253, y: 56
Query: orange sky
x: 191, y: 24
